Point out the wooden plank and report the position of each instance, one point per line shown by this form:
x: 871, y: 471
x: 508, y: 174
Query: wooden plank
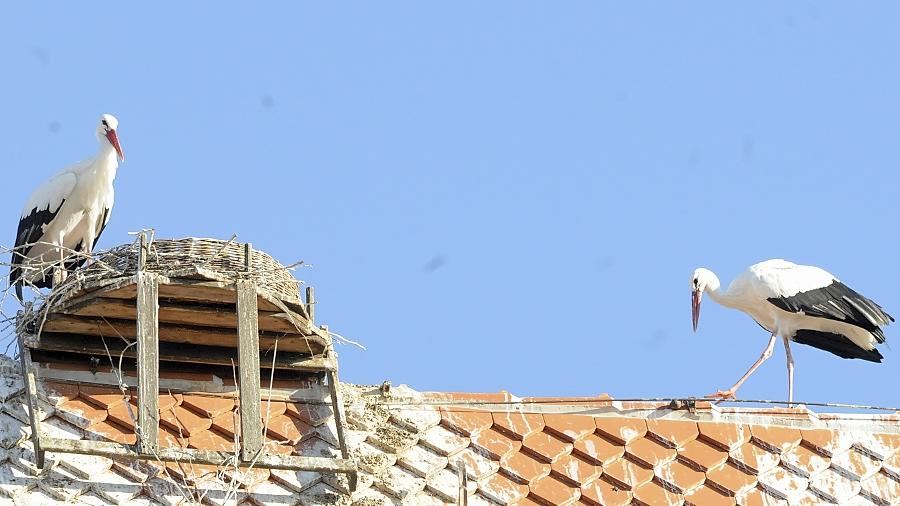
x: 311, y: 304
x: 148, y: 359
x: 176, y: 352
x: 171, y: 312
x: 338, y: 407
x: 248, y: 369
x: 34, y: 410
x: 195, y: 291
x: 116, y: 450
x: 67, y: 324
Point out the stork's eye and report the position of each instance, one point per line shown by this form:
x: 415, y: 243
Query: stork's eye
x: 696, y: 281
x: 105, y: 123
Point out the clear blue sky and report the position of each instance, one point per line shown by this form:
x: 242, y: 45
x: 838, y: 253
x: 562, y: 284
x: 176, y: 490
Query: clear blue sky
x: 502, y: 195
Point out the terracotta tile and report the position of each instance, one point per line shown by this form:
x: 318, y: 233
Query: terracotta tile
x: 570, y: 427
x: 443, y: 441
x: 495, y: 444
x: 575, y: 470
x: 754, y: 459
x: 207, y: 406
x: 115, y: 432
x: 288, y: 429
x: 212, y: 440
x: 63, y: 391
x: 649, y: 453
x: 274, y: 408
x: 450, y: 397
x: 672, y: 433
x: 104, y: 397
x: 774, y: 438
x: 783, y: 483
x: 524, y: 468
x: 654, y: 494
x: 621, y: 430
x: 274, y: 447
x: 226, y: 423
x: 477, y: 465
x: 881, y: 485
x: 598, y: 450
x: 707, y: 496
x: 167, y: 439
x: 727, y: 436
x: 856, y: 464
x: 825, y: 441
x: 604, y: 493
x: 120, y: 414
x: 84, y: 413
x: 531, y: 500
x: 312, y: 414
x: 880, y: 446
x: 168, y: 400
x: 545, y: 447
x: 702, y: 456
x: 553, y: 491
x: 833, y: 486
x: 501, y: 489
x: 680, y: 476
x: 423, y: 462
x: 183, y: 421
x: 805, y: 461
x: 891, y: 465
x: 518, y: 425
x: 627, y: 474
x: 466, y: 422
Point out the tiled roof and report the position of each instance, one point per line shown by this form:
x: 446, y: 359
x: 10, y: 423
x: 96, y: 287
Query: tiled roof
x: 409, y: 447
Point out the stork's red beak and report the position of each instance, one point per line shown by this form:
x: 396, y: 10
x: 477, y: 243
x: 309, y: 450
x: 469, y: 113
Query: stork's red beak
x: 114, y: 140
x: 695, y: 307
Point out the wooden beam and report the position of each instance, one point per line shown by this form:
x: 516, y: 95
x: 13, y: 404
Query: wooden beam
x: 175, y: 352
x: 217, y: 316
x: 34, y: 410
x: 110, y: 327
x: 311, y: 304
x: 337, y: 405
x: 218, y: 292
x: 248, y: 368
x: 148, y: 357
x: 116, y: 450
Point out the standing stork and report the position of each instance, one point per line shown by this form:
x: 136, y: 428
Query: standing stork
x: 800, y: 303
x: 66, y: 215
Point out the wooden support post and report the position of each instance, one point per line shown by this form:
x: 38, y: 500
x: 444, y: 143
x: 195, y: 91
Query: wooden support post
x: 34, y: 410
x: 311, y: 304
x: 334, y: 386
x: 147, y: 353
x: 463, y: 499
x: 248, y: 365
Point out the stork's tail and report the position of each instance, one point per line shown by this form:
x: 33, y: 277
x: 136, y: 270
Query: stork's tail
x: 837, y: 344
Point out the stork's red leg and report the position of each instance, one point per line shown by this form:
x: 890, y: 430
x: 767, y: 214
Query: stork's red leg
x: 729, y: 394
x: 790, y: 368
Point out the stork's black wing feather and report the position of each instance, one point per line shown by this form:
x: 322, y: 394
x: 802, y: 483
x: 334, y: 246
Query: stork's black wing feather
x: 30, y: 231
x: 838, y: 302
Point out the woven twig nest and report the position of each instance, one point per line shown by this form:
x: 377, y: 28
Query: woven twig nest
x: 170, y: 257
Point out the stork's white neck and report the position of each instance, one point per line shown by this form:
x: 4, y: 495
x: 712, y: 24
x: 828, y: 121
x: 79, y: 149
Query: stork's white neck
x: 107, y: 159
x: 723, y: 297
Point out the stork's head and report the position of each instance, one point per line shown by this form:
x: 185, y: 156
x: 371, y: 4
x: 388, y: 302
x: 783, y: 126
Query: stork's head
x: 701, y: 281
x: 106, y: 132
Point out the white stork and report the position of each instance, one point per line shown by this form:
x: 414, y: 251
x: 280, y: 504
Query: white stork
x: 67, y: 214
x: 800, y: 303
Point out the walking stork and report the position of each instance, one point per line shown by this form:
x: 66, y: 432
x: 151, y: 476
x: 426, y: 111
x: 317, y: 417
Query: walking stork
x: 800, y: 303
x: 64, y: 217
